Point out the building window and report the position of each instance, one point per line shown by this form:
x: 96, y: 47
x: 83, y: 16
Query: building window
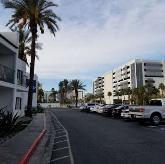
x: 19, y: 77
x: 18, y: 103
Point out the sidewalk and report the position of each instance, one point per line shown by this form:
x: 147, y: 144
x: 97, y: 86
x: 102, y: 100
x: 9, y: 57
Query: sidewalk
x: 12, y: 151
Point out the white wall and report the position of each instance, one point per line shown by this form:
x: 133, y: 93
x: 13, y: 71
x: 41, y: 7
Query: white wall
x: 6, y: 98
x: 108, y: 87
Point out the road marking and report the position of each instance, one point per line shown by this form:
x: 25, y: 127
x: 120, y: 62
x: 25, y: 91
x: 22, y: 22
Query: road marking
x: 61, y: 148
x: 61, y: 136
x: 69, y: 145
x: 56, y: 159
x: 59, y: 130
x: 61, y: 141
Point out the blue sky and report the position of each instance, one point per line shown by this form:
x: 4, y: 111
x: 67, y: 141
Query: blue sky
x: 96, y: 36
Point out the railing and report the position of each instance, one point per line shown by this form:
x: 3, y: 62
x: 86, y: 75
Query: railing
x: 6, y: 74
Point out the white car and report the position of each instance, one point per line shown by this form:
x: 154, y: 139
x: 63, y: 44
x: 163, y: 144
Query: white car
x: 93, y: 108
x: 155, y: 111
x: 100, y: 108
x: 125, y: 114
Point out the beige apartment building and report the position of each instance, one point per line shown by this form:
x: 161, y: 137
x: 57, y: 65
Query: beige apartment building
x: 135, y: 73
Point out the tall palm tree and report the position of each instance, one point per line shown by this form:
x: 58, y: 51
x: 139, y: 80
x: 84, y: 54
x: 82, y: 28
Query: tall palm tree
x: 40, y: 94
x: 53, y: 94
x: 77, y: 85
x: 23, y: 41
x: 34, y: 14
x: 61, y: 91
x: 65, y: 88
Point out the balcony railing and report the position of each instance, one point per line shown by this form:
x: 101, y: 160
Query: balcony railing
x: 6, y: 74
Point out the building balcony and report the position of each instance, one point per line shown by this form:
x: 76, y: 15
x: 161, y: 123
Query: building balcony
x: 6, y: 74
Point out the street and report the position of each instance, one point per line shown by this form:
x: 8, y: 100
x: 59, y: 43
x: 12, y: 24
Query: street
x: 94, y: 139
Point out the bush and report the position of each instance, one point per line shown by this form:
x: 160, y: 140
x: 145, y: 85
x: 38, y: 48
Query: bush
x: 8, y: 122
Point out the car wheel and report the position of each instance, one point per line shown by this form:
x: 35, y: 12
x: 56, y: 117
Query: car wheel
x: 155, y: 119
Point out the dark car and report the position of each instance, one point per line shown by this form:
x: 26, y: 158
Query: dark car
x: 107, y: 111
x: 116, y: 113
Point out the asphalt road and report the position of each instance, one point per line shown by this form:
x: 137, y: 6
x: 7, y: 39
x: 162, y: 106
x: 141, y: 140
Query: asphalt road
x: 95, y: 139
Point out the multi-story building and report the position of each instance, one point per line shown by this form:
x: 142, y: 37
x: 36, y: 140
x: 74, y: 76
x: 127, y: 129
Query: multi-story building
x: 98, y: 85
x: 108, y: 87
x: 13, y: 76
x: 135, y: 73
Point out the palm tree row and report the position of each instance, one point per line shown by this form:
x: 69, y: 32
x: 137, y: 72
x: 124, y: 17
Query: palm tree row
x: 141, y: 95
x: 32, y: 15
x: 66, y: 86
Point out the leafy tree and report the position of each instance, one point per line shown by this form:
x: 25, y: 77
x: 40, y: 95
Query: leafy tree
x: 77, y: 85
x: 89, y: 97
x: 34, y: 14
x: 162, y: 88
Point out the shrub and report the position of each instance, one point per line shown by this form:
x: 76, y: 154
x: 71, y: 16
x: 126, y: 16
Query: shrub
x: 8, y: 122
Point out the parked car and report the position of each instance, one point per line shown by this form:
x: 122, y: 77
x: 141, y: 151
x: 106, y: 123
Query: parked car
x: 116, y: 113
x: 100, y: 108
x: 94, y: 108
x: 124, y: 114
x: 82, y: 107
x: 154, y: 112
x: 107, y: 110
x: 88, y: 106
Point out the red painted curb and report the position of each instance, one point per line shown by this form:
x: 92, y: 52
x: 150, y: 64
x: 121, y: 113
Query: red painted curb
x: 32, y: 149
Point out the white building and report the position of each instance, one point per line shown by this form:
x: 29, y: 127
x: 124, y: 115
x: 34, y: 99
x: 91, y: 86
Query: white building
x: 13, y: 76
x: 98, y: 85
x: 135, y: 73
x: 108, y: 87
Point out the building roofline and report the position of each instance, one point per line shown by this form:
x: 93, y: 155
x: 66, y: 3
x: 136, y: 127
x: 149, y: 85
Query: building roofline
x: 4, y: 38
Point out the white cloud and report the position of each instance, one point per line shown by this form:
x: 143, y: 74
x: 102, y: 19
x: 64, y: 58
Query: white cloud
x: 95, y: 37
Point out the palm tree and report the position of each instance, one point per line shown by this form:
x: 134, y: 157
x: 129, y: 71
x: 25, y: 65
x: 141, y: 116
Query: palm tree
x: 128, y: 92
x: 109, y: 94
x: 34, y: 14
x: 61, y: 91
x: 23, y: 41
x: 123, y: 93
x: 65, y: 88
x: 40, y: 94
x: 117, y: 93
x: 53, y: 94
x: 77, y: 85
x: 162, y: 88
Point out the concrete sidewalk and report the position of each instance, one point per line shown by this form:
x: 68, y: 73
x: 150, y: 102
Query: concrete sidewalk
x: 12, y: 151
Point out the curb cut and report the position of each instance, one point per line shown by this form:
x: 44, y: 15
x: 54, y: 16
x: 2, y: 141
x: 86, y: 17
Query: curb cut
x: 32, y: 149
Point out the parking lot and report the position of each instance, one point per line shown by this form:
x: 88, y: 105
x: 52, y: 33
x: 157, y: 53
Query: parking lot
x: 95, y: 139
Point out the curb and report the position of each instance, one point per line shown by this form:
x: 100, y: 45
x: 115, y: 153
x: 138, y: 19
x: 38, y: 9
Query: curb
x: 32, y: 149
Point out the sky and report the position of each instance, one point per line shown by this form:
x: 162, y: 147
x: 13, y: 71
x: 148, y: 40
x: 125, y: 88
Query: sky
x: 96, y: 36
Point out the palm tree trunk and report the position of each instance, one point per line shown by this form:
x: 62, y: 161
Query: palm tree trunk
x: 76, y: 93
x: 32, y: 64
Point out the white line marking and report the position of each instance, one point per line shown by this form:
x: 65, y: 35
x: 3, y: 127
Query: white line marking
x: 61, y: 136
x: 59, y: 130
x: 69, y: 145
x: 56, y: 159
x: 61, y: 148
x: 61, y: 141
